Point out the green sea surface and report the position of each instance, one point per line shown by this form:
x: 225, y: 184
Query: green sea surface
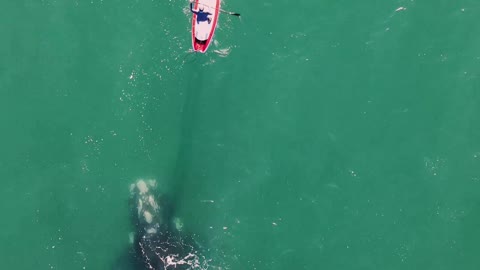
x: 312, y: 134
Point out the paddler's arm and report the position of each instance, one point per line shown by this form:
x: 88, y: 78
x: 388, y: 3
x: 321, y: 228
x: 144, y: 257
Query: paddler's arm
x: 191, y: 8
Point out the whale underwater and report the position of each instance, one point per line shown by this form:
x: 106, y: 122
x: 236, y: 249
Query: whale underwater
x: 158, y: 241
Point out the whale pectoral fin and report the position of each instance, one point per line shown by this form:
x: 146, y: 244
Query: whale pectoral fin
x: 131, y: 238
x: 178, y: 224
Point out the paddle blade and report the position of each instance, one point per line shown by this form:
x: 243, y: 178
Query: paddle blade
x: 230, y: 13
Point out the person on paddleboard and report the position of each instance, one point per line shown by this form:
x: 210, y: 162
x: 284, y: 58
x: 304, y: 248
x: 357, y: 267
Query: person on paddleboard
x: 201, y: 15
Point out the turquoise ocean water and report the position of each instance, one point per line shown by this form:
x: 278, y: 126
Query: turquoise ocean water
x: 312, y: 135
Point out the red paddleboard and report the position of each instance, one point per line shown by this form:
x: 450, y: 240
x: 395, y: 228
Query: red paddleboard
x: 202, y: 32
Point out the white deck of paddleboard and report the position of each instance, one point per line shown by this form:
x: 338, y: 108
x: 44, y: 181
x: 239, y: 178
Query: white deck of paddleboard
x: 203, y: 29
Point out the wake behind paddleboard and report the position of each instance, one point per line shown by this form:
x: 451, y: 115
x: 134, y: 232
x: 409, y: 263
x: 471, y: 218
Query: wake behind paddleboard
x: 202, y: 32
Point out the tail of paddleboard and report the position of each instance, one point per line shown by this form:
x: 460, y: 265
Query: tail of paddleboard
x: 202, y: 31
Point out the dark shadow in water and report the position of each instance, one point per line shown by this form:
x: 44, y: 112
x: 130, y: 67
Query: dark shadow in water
x: 132, y: 258
x: 190, y: 110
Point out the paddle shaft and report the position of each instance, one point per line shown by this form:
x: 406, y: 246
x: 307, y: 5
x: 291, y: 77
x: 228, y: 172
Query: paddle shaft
x: 224, y: 11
